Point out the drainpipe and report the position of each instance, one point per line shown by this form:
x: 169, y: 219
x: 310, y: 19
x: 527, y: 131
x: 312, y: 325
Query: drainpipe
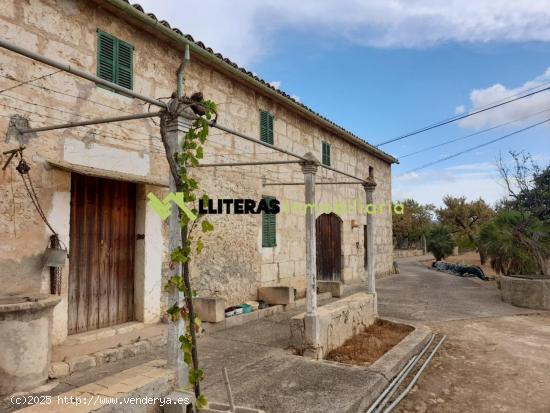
x: 181, y: 72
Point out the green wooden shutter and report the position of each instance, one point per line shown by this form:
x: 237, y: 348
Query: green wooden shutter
x: 266, y: 127
x: 326, y: 153
x: 269, y: 227
x: 106, y: 50
x: 124, y: 73
x: 115, y: 60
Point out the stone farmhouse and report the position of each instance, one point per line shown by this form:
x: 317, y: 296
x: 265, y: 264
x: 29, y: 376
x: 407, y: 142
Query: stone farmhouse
x: 92, y: 182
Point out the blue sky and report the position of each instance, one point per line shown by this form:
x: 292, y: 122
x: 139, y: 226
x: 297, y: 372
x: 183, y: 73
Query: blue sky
x: 384, y: 69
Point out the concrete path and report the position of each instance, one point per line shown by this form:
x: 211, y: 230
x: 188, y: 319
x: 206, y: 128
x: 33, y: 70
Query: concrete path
x: 422, y: 294
x: 266, y: 375
x: 496, y: 357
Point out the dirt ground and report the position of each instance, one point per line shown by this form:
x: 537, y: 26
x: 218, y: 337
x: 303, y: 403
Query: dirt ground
x: 499, y: 364
x: 467, y: 258
x: 368, y: 346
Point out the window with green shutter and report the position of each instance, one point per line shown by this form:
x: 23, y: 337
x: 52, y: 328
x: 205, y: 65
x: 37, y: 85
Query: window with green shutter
x: 266, y: 127
x: 269, y: 227
x: 326, y: 154
x: 115, y: 60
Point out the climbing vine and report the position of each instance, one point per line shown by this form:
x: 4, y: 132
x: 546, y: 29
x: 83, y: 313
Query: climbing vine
x: 181, y: 163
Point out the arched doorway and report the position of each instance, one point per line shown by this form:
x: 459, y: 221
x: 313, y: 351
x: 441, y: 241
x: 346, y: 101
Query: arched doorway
x: 328, y: 229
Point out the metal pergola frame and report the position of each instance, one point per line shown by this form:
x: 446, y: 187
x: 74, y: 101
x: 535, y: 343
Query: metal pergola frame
x: 308, y: 163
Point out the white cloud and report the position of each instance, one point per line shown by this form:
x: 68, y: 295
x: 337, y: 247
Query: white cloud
x: 460, y: 109
x: 296, y: 98
x: 469, y: 180
x: 276, y: 84
x: 243, y: 29
x: 516, y: 110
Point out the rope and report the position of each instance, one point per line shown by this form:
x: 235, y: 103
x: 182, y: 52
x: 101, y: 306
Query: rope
x: 23, y: 168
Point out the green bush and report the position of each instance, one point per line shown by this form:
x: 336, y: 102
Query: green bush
x: 517, y: 243
x: 440, y: 243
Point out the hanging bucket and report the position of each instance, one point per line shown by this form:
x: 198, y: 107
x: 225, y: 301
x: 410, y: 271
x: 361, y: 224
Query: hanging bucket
x: 55, y: 257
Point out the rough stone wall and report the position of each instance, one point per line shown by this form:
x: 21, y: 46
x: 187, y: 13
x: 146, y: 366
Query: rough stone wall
x: 233, y: 263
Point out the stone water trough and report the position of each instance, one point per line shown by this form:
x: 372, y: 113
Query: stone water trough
x: 529, y: 291
x: 25, y: 324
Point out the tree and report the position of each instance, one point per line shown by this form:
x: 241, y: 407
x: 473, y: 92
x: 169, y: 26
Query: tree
x: 517, y: 243
x: 415, y: 220
x: 528, y: 185
x: 440, y: 243
x: 464, y: 219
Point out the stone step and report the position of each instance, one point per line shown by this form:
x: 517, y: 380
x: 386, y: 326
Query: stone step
x: 70, y: 358
x: 131, y: 390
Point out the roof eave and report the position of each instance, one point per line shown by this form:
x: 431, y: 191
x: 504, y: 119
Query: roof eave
x: 235, y: 71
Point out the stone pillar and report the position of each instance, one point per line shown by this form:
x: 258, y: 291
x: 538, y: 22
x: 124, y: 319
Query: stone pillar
x: 369, y: 187
x: 175, y: 133
x: 309, y: 168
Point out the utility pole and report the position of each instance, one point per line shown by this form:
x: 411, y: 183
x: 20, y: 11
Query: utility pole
x: 311, y: 321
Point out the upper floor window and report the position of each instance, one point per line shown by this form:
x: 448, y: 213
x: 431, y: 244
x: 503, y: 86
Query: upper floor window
x: 266, y: 127
x: 326, y: 154
x: 115, y: 60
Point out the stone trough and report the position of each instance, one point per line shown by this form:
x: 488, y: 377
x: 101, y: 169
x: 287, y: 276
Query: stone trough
x: 25, y: 324
x: 337, y: 322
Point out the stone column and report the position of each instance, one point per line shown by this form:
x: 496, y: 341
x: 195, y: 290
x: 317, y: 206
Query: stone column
x: 369, y: 187
x: 175, y: 133
x: 309, y: 168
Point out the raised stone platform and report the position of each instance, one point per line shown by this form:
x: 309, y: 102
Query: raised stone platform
x: 526, y: 291
x: 336, y: 322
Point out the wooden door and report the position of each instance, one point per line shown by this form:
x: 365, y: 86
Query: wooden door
x: 101, y: 269
x: 328, y: 229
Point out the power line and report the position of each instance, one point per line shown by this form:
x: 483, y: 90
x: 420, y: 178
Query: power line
x: 137, y: 141
x: 456, y: 118
x: 21, y: 82
x: 471, y: 134
x: 478, y: 146
x: 83, y: 117
x: 66, y: 94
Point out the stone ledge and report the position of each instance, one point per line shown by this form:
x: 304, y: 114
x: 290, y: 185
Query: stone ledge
x: 391, y: 363
x: 148, y: 380
x: 108, y: 355
x: 526, y: 292
x: 104, y: 333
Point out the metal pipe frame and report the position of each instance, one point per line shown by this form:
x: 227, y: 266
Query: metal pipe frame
x: 92, y: 122
x: 215, y: 165
x: 316, y: 183
x: 268, y: 145
x: 80, y: 73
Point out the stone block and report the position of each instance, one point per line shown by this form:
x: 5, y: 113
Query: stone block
x: 526, y: 291
x: 157, y: 341
x: 269, y: 272
x: 106, y: 356
x: 335, y: 288
x: 210, y: 309
x: 337, y: 322
x: 58, y: 370
x: 81, y: 363
x: 286, y: 269
x: 276, y: 295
